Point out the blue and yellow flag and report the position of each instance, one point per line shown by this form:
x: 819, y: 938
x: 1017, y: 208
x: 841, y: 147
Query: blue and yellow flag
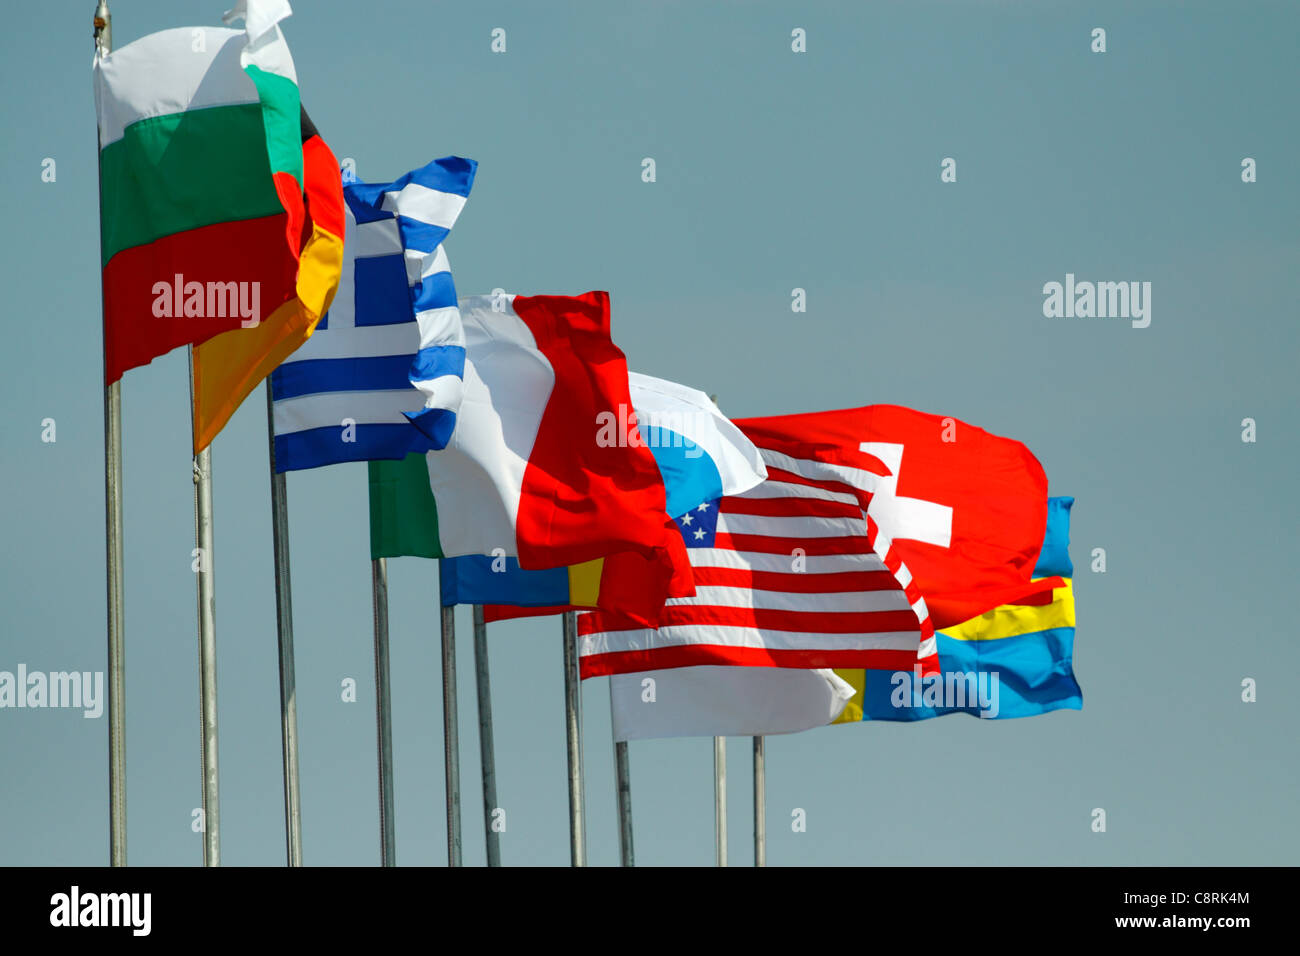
x: 1013, y: 661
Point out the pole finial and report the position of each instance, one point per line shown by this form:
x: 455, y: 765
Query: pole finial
x: 103, y: 27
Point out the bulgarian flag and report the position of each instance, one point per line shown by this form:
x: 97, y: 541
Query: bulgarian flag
x: 528, y: 472
x: 203, y: 221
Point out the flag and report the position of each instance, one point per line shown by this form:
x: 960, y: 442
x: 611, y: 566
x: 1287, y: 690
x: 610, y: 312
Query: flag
x: 719, y: 701
x: 524, y: 475
x: 701, y: 456
x: 201, y: 184
x: 1015, y: 660
x: 965, y: 508
x: 634, y: 584
x: 228, y: 366
x: 793, y: 573
x: 392, y: 335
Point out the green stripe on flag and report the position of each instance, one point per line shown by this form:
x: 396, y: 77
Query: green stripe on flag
x: 403, y: 514
x: 173, y: 173
x: 282, y: 112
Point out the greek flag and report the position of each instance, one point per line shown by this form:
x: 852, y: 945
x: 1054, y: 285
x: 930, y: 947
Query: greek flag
x: 391, y: 341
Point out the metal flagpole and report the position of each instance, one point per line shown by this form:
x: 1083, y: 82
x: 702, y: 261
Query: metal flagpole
x: 760, y: 803
x: 573, y: 742
x: 207, y: 648
x: 719, y: 784
x: 383, y: 713
x: 623, y: 778
x: 720, y: 800
x: 284, y: 637
x: 451, y: 739
x: 103, y: 23
x: 487, y: 757
x: 623, y: 788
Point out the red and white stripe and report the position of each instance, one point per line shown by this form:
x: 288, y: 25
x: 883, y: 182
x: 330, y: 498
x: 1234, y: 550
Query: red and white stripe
x: 798, y: 576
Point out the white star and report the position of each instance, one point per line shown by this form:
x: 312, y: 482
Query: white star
x: 699, y: 533
x: 686, y: 519
x: 703, y: 507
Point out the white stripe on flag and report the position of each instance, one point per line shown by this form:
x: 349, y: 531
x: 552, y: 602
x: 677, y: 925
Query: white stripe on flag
x: 859, y: 602
x: 432, y: 206
x: 343, y: 307
x: 421, y: 265
x: 329, y: 409
x: 785, y: 489
x: 757, y: 561
x: 440, y: 327
x: 820, y: 470
x: 614, y: 642
x: 130, y: 87
x: 363, y: 341
x: 800, y: 527
x: 432, y: 265
x: 445, y: 391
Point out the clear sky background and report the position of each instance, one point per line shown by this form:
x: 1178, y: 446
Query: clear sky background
x: 775, y: 170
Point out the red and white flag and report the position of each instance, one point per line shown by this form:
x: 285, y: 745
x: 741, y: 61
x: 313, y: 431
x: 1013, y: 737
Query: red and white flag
x: 793, y: 574
x: 966, y: 509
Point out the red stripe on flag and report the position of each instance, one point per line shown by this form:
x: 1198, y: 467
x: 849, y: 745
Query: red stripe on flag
x: 771, y: 544
x: 689, y: 655
x: 838, y: 582
x: 826, y: 484
x: 248, y: 250
x: 790, y: 507
x: 793, y: 622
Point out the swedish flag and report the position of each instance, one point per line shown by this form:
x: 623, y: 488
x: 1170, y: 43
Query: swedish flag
x: 1016, y: 660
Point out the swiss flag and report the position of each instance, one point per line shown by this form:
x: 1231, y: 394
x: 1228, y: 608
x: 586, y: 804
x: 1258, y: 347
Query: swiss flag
x: 966, y: 509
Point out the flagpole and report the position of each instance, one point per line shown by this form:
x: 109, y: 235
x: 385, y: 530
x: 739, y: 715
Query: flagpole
x: 623, y: 789
x: 202, y: 465
x: 719, y: 784
x: 720, y: 800
x: 383, y: 713
x: 487, y: 757
x: 573, y: 741
x: 103, y: 24
x: 284, y: 638
x: 451, y: 738
x: 623, y: 781
x: 760, y: 803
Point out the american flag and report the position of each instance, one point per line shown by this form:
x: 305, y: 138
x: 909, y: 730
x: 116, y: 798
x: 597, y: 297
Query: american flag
x: 790, y: 574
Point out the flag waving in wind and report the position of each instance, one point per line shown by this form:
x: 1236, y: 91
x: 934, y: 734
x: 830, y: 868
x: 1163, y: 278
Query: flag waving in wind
x: 793, y: 573
x: 392, y: 336
x: 1015, y: 660
x: 701, y: 456
x: 230, y: 365
x: 425, y: 204
x: 525, y: 474
x: 1010, y: 655
x: 201, y: 184
x: 965, y: 508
